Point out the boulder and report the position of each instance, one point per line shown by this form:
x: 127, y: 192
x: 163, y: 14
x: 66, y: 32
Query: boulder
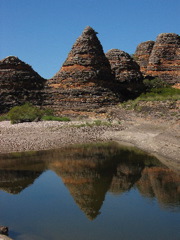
x: 3, y: 230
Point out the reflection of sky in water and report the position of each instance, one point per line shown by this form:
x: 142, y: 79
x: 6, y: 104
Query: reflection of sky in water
x: 126, y: 193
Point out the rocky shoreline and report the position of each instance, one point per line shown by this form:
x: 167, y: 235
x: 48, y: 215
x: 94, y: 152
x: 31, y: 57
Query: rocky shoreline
x: 160, y: 138
x: 45, y: 135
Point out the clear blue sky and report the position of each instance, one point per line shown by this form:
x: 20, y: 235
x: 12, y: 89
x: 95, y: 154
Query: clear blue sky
x: 42, y: 32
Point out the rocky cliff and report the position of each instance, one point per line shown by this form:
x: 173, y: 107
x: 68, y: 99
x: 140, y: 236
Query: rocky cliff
x: 19, y: 83
x: 84, y: 83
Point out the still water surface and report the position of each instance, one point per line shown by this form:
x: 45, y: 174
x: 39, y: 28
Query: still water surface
x: 92, y: 192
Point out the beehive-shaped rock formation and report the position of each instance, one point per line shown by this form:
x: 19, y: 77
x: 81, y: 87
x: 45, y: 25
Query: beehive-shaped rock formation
x: 142, y: 54
x: 125, y: 70
x: 164, y: 61
x: 84, y: 82
x: 86, y: 61
x: 19, y: 83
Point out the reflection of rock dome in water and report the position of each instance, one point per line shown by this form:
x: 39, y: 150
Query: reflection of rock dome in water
x: 16, y: 181
x: 87, y: 182
x: 127, y: 174
x: 89, y: 171
x: 89, y: 196
x: 162, y: 183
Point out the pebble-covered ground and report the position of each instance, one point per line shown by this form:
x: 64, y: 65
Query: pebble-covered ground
x: 50, y: 134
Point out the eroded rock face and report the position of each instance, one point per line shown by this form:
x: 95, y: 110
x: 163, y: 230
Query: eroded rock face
x: 19, y: 83
x: 142, y: 54
x: 164, y: 61
x: 125, y: 70
x: 84, y: 82
x: 86, y: 61
x: 123, y: 66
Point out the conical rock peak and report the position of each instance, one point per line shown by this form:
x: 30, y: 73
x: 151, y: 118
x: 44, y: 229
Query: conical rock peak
x: 85, y: 79
x: 89, y: 31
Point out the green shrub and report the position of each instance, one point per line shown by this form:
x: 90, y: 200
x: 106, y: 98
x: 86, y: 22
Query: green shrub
x: 161, y: 94
x: 154, y: 83
x: 48, y: 112
x: 24, y: 113
x: 29, y: 113
x: 4, y: 117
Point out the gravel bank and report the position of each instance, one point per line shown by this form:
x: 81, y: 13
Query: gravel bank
x: 49, y: 134
x: 158, y: 138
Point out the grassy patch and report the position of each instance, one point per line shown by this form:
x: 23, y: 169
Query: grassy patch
x: 160, y: 94
x: 156, y: 94
x: 54, y: 118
